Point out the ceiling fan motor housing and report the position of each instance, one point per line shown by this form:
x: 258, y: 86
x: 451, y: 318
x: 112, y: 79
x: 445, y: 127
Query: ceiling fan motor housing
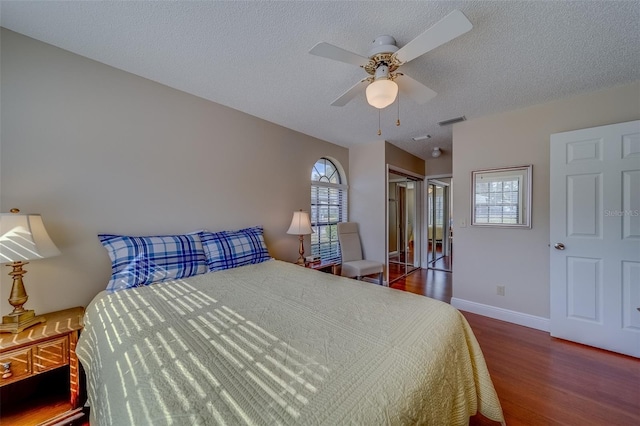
x: 382, y: 72
x: 383, y: 44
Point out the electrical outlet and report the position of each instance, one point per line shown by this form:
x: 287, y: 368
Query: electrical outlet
x: 500, y: 290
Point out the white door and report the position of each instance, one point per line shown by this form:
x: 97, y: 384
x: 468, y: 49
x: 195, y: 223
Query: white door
x: 595, y: 237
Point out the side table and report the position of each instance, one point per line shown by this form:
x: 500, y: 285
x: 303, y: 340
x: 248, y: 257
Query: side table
x: 42, y: 348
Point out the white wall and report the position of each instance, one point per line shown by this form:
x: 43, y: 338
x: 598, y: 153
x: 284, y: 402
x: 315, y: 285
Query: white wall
x: 95, y: 149
x: 519, y: 258
x: 367, y: 197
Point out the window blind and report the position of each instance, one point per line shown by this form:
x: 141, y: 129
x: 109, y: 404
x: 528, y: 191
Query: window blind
x: 497, y: 200
x: 328, y: 208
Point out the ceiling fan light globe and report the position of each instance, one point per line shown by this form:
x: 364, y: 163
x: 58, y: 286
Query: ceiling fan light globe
x: 382, y: 93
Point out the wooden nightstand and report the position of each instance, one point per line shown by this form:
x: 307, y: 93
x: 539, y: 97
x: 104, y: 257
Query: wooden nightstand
x: 43, y: 348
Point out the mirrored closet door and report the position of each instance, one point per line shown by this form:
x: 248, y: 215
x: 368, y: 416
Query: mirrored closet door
x: 404, y: 225
x: 439, y: 238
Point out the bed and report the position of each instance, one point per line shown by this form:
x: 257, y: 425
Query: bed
x: 276, y: 343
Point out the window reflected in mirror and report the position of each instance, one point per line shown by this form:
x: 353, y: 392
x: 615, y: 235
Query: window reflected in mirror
x: 501, y: 197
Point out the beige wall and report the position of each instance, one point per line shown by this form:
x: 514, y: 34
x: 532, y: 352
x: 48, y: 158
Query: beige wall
x: 440, y: 166
x: 397, y: 157
x: 95, y: 149
x: 519, y: 258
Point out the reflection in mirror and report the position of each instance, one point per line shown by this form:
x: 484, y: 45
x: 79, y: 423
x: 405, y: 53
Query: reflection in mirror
x: 403, y: 216
x: 439, y: 245
x: 501, y: 197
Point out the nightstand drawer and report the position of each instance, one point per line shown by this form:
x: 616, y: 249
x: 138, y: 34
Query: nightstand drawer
x: 20, y: 367
x: 51, y: 354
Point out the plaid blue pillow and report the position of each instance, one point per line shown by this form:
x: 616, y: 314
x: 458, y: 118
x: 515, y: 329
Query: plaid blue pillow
x: 138, y: 261
x: 230, y: 249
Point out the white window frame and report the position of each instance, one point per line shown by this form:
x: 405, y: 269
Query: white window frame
x: 323, y: 245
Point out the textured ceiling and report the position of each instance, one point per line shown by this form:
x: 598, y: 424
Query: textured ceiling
x: 253, y: 56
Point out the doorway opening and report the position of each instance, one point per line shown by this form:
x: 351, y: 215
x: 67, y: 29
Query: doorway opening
x: 439, y: 233
x: 404, y: 224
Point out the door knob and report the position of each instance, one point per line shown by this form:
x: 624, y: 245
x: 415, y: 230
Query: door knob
x: 558, y: 246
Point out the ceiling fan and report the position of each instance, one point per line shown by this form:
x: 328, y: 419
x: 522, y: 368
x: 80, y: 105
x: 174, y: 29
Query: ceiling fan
x: 385, y: 58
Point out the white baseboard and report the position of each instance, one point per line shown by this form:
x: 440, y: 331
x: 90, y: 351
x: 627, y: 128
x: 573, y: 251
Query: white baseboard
x: 531, y: 321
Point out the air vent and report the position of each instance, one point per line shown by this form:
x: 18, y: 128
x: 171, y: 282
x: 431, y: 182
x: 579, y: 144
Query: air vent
x: 452, y: 121
x: 421, y: 138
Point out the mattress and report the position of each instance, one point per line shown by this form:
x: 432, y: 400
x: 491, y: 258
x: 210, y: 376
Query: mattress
x: 276, y: 343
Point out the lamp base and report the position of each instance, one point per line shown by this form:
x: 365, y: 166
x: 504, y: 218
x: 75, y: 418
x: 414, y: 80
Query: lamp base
x: 16, y: 323
x: 300, y: 260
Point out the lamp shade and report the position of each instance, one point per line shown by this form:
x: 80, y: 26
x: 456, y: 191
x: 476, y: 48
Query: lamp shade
x: 24, y: 237
x: 381, y: 93
x: 300, y: 224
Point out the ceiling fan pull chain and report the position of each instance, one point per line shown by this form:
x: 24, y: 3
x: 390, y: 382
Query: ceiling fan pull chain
x: 379, y: 131
x: 398, y: 120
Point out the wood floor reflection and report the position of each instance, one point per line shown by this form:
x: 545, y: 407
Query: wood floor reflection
x: 427, y: 282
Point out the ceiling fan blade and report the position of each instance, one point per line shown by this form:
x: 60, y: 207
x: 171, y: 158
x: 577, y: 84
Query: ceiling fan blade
x: 414, y: 89
x: 336, y: 53
x: 351, y: 93
x: 451, y: 26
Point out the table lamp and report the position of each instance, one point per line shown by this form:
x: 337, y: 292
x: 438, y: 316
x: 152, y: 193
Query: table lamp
x: 22, y: 238
x: 301, y: 226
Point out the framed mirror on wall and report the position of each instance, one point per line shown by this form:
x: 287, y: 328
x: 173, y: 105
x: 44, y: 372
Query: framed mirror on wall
x: 501, y: 197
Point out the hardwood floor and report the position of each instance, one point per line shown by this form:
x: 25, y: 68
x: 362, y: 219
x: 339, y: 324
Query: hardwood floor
x: 398, y: 270
x: 427, y: 282
x: 541, y: 380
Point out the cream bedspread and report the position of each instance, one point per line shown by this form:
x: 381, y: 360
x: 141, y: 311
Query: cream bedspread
x: 275, y: 343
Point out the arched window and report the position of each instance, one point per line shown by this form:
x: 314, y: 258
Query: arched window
x: 328, y: 207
